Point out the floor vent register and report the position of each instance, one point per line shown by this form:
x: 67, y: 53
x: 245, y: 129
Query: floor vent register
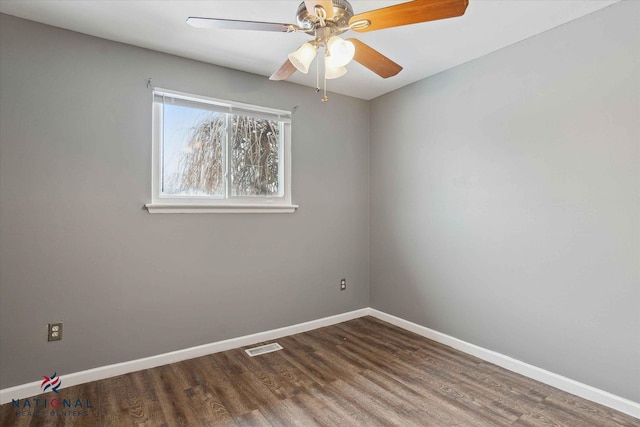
x: 263, y: 349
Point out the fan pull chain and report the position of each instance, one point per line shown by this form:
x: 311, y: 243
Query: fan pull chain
x: 317, y: 75
x: 325, y: 98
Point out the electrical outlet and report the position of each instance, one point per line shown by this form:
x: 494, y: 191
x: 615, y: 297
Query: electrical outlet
x: 55, y: 332
x: 343, y: 284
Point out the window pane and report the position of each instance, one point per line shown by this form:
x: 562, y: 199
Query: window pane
x: 255, y: 156
x: 192, y: 161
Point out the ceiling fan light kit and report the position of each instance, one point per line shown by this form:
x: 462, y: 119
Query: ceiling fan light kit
x: 325, y: 20
x: 303, y: 56
x: 340, y: 51
x: 331, y: 70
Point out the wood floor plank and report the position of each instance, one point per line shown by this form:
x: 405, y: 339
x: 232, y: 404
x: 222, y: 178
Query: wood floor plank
x: 352, y: 408
x: 293, y: 344
x: 252, y: 419
x: 310, y: 365
x: 152, y: 408
x: 364, y: 372
x: 201, y: 397
x: 171, y: 396
x: 89, y: 394
x: 285, y: 412
x: 488, y: 394
x: 589, y: 412
x: 320, y: 398
x: 442, y: 388
x: 321, y: 413
x: 276, y: 373
x: 440, y: 412
x: 212, y: 411
x: 235, y: 401
x: 109, y: 409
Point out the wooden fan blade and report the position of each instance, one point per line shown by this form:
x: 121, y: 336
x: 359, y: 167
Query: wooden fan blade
x: 284, y: 72
x: 374, y: 60
x: 411, y: 12
x: 231, y: 24
x: 326, y: 4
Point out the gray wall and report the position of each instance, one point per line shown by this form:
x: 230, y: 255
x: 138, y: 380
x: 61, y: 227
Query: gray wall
x: 505, y: 201
x: 77, y: 246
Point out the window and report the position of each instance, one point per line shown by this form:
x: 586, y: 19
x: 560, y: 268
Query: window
x: 211, y: 155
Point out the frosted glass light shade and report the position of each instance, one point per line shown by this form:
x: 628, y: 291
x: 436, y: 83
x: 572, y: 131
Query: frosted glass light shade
x: 302, y: 57
x: 341, y: 51
x: 331, y: 70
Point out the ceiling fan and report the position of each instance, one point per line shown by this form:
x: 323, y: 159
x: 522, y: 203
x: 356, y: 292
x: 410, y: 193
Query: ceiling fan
x: 325, y: 20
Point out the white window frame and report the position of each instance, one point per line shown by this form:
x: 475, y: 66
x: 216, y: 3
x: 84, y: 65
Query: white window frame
x: 251, y: 204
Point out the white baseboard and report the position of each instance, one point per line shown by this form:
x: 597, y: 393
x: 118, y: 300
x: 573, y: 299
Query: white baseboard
x: 31, y: 389
x: 566, y: 384
x: 558, y: 381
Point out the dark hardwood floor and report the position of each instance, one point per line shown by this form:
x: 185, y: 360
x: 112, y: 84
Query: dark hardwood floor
x: 364, y: 372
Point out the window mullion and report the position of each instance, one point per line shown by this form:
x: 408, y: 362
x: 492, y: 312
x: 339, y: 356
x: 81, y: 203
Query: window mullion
x: 227, y: 156
x: 161, y: 151
x: 282, y: 190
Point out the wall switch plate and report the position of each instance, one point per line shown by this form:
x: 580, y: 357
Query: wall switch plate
x: 343, y: 284
x: 55, y: 332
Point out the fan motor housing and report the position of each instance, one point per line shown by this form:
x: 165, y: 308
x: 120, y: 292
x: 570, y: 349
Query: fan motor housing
x: 342, y: 12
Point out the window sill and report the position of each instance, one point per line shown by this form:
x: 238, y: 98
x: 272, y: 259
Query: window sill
x: 160, y: 208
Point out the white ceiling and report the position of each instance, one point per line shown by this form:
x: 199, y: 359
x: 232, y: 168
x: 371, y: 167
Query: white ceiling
x: 422, y: 49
